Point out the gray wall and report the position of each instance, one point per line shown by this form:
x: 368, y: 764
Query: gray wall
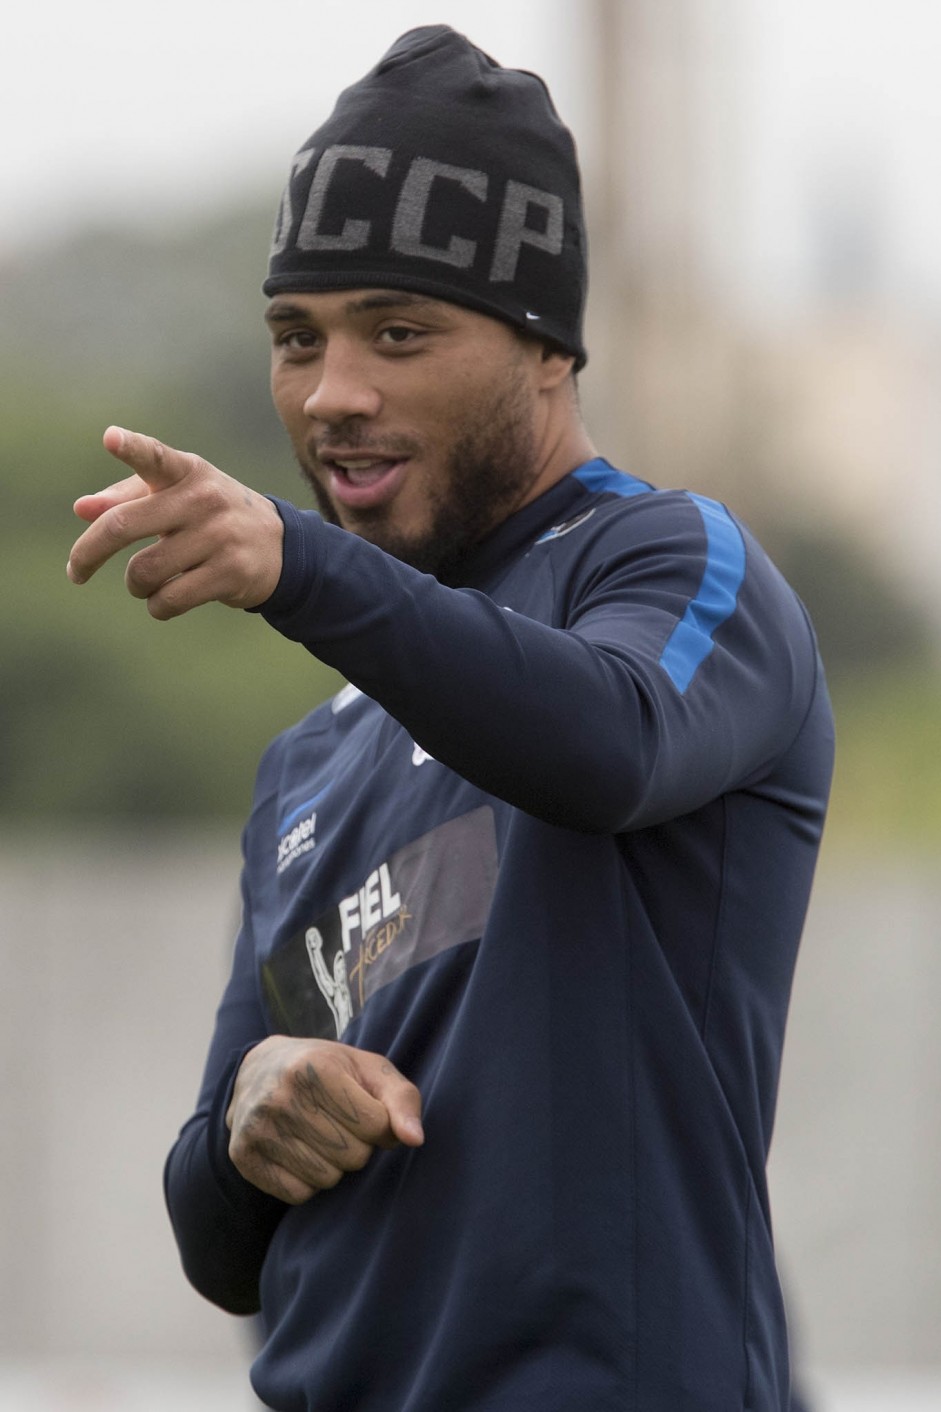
x: 114, y: 953
x: 856, y: 1159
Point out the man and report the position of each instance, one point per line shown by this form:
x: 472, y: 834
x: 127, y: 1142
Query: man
x: 485, y: 1116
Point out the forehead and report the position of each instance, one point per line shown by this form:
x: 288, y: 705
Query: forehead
x: 340, y: 304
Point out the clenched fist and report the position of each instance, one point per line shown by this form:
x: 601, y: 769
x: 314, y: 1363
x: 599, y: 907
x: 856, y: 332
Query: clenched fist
x: 305, y: 1111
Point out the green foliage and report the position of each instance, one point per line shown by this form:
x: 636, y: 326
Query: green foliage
x: 105, y: 714
x: 887, y: 783
x: 886, y: 690
x: 861, y: 622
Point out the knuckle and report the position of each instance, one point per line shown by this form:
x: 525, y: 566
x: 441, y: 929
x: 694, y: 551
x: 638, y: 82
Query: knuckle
x: 295, y: 1074
x: 252, y: 1154
x: 262, y: 1116
x: 117, y: 523
x: 162, y: 608
x: 211, y: 494
x: 323, y: 1062
x: 239, y: 1151
x: 357, y: 1158
x: 136, y: 577
x: 248, y: 1128
x: 329, y: 1178
x: 175, y: 596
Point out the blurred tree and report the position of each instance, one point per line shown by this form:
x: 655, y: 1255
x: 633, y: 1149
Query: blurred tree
x: 105, y: 714
x: 861, y: 620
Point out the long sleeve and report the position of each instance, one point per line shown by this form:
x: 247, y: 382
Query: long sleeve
x: 684, y: 664
x: 222, y: 1223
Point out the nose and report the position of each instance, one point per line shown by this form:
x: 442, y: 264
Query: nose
x: 344, y: 388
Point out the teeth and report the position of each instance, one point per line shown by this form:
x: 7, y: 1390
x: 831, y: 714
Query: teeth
x: 362, y: 470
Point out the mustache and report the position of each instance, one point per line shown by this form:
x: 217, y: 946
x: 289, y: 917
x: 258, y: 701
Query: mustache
x: 359, y: 442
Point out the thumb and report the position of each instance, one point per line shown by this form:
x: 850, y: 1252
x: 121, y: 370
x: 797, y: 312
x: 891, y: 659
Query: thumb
x: 401, y: 1099
x: 160, y: 466
x: 405, y: 1118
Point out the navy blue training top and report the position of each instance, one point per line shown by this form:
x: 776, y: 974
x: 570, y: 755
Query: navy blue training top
x: 551, y: 853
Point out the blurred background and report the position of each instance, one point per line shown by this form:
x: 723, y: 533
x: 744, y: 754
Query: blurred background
x: 765, y: 326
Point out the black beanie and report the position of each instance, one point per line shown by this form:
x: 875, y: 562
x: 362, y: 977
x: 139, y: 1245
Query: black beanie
x: 444, y: 173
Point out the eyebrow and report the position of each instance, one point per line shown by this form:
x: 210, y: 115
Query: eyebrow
x: 284, y: 313
x: 280, y: 313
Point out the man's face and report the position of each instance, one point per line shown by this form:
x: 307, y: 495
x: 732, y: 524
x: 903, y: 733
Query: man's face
x: 419, y: 424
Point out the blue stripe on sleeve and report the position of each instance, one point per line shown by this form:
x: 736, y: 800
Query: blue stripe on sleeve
x: 691, y: 641
x: 600, y: 475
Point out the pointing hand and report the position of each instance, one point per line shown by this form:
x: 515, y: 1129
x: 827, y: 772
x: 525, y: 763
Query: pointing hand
x: 217, y: 541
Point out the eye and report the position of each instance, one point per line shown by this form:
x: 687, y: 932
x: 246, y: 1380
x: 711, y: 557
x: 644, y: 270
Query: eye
x: 397, y: 335
x: 297, y: 341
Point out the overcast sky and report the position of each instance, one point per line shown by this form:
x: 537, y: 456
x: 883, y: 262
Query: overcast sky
x: 111, y: 108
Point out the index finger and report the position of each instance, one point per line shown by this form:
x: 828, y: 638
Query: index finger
x: 159, y: 465
x: 156, y: 467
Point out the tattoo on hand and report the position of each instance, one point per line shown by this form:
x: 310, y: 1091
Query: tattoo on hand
x: 315, y: 1098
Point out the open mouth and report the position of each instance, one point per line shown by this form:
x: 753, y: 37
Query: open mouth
x: 361, y: 472
x: 362, y: 481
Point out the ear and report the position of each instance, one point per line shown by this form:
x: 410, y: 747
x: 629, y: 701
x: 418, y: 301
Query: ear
x: 554, y: 367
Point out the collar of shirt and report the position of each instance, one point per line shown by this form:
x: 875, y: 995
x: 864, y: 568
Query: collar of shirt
x: 518, y: 531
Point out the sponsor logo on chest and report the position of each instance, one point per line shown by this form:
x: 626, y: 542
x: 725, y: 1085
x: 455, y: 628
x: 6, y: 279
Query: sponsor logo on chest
x: 433, y: 893
x: 297, y: 841
x: 376, y: 901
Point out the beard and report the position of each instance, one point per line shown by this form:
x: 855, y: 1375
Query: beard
x: 490, y: 467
